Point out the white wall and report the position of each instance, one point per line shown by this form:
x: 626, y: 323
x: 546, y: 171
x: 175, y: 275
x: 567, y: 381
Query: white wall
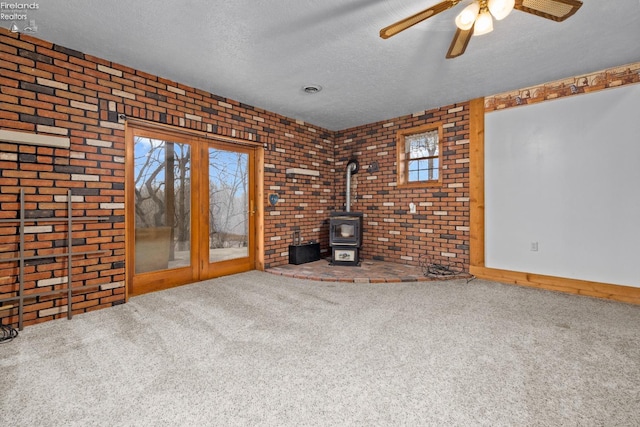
x: 566, y: 174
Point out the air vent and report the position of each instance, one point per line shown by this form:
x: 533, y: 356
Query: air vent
x: 311, y: 89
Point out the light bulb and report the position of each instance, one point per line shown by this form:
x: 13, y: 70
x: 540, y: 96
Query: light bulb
x: 468, y: 16
x: 501, y: 8
x: 484, y: 24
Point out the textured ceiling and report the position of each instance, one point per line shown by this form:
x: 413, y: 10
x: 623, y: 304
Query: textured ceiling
x: 263, y: 52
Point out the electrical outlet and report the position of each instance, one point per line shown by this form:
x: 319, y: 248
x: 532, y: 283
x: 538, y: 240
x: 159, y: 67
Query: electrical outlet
x: 534, y: 246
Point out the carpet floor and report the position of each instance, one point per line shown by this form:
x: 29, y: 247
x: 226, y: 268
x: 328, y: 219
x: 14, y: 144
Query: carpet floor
x: 256, y: 349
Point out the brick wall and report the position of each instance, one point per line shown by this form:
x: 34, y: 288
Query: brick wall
x: 298, y: 168
x: 440, y: 227
x: 51, y: 90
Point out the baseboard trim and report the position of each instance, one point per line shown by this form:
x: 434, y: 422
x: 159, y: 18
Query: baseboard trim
x: 628, y: 294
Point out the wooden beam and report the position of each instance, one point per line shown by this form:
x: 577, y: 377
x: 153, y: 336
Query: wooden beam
x: 259, y: 204
x: 476, y: 182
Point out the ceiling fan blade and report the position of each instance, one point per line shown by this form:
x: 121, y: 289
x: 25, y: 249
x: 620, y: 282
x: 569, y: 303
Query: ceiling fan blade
x: 556, y: 10
x: 459, y: 42
x: 412, y: 20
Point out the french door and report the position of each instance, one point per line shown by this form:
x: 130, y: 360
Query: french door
x: 190, y: 207
x: 228, y: 245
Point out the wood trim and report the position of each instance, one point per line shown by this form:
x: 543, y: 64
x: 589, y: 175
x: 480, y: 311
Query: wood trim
x: 259, y: 216
x: 129, y: 214
x: 228, y: 267
x: 628, y: 294
x: 476, y: 182
x: 197, y: 164
x: 401, y: 156
x: 160, y: 280
x: 202, y: 218
x: 162, y: 127
x: 253, y: 208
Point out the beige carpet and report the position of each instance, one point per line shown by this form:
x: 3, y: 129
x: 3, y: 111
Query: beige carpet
x: 263, y: 350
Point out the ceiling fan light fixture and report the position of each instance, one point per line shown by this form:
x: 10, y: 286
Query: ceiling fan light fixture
x: 477, y: 17
x: 467, y: 17
x: 500, y: 8
x: 484, y: 24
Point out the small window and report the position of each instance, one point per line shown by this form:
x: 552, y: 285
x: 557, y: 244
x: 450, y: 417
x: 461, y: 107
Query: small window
x: 419, y: 155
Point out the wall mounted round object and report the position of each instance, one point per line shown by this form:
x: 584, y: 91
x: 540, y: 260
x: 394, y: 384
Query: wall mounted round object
x: 273, y: 199
x: 353, y: 161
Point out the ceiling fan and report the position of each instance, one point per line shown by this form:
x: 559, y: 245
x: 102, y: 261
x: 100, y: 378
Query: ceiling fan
x: 477, y: 18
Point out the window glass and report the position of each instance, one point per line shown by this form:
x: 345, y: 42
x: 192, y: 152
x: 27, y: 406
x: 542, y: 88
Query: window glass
x: 423, y: 149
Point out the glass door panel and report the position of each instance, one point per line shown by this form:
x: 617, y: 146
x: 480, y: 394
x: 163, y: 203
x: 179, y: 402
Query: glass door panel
x: 162, y: 204
x: 229, y: 205
x: 189, y: 209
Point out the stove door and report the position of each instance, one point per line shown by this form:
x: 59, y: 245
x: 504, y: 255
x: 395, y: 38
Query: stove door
x: 344, y: 232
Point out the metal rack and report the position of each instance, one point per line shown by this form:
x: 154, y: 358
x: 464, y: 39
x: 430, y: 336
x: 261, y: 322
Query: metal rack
x: 69, y: 219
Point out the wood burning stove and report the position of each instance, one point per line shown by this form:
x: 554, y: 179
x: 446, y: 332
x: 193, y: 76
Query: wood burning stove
x: 345, y: 228
x: 345, y: 237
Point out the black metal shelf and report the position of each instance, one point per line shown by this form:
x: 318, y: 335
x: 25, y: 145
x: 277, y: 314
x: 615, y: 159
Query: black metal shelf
x: 70, y: 220
x: 30, y: 257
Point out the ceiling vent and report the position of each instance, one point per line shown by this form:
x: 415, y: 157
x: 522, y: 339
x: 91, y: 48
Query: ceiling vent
x: 311, y: 89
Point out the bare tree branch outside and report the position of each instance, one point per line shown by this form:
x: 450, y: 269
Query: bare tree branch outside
x: 163, y: 194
